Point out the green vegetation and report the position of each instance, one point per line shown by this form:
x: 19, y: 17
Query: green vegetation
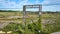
x: 52, y: 23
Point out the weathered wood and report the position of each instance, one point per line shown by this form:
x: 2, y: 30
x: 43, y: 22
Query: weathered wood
x: 31, y: 6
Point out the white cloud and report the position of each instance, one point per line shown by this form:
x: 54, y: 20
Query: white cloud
x: 51, y: 7
x: 8, y: 4
x: 51, y: 1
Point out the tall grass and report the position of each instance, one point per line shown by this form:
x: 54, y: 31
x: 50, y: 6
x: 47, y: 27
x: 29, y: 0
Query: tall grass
x: 53, y: 26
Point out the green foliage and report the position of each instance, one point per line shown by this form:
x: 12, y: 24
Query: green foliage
x: 33, y: 28
x: 10, y: 27
x: 52, y: 27
x: 36, y: 27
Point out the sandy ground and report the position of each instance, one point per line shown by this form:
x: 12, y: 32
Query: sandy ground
x: 56, y: 33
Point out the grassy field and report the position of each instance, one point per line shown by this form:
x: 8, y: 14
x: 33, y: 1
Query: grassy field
x: 50, y: 22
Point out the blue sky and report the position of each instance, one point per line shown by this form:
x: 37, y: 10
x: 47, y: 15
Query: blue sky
x: 4, y: 4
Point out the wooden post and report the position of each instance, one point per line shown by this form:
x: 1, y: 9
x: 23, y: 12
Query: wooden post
x: 40, y: 13
x: 24, y: 15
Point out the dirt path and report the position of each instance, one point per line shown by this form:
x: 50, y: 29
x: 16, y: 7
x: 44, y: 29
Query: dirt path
x: 56, y: 33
